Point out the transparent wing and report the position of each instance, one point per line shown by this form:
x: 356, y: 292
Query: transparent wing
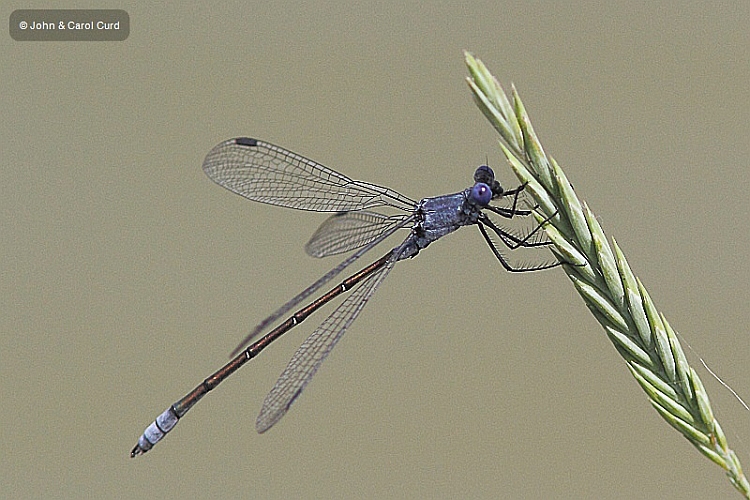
x: 314, y: 351
x: 266, y: 173
x: 297, y: 299
x: 347, y: 231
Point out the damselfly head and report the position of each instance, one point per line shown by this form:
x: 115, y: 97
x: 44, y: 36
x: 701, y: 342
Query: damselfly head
x: 480, y: 194
x: 484, y: 174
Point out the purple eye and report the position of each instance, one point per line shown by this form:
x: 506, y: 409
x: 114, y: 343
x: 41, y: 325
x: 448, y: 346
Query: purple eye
x: 481, y: 194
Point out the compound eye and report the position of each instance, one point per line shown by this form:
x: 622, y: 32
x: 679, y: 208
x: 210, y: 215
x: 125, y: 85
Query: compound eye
x: 484, y: 174
x: 481, y: 194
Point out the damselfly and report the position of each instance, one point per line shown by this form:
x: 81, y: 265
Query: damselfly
x: 269, y: 174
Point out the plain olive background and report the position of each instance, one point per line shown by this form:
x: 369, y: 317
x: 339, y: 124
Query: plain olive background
x: 128, y: 276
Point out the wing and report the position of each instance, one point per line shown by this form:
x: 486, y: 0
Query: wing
x: 314, y: 351
x: 297, y: 299
x: 347, y: 231
x: 266, y: 173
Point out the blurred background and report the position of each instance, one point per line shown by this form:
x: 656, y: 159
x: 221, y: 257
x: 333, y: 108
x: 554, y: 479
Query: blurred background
x: 128, y: 276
